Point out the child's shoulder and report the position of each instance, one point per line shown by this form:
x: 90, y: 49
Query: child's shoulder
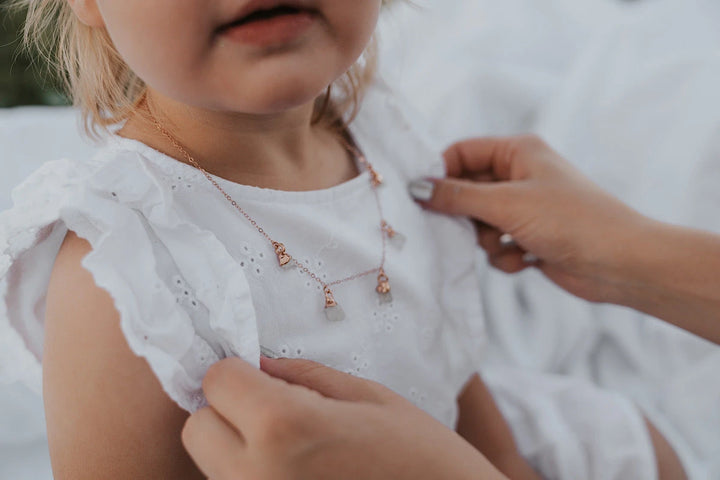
x: 110, y: 168
x: 123, y: 183
x: 176, y: 288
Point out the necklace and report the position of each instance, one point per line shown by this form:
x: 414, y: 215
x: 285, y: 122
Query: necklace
x: 333, y: 311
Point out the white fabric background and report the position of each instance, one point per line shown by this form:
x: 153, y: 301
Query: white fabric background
x: 630, y: 94
x: 627, y: 92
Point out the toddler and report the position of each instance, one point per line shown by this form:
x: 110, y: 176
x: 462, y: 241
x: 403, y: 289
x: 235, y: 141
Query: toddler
x: 251, y: 199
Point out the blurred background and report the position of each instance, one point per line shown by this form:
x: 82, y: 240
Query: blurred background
x: 627, y: 90
x: 23, y: 79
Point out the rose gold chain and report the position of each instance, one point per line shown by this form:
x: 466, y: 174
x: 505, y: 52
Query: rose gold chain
x: 374, y: 182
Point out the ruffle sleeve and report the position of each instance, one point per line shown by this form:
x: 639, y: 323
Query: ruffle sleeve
x: 183, y: 301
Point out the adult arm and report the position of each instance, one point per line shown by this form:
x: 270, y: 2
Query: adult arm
x: 307, y: 422
x: 585, y: 240
x: 107, y: 415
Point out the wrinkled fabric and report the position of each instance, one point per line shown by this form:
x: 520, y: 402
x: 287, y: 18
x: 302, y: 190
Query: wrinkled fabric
x: 628, y: 92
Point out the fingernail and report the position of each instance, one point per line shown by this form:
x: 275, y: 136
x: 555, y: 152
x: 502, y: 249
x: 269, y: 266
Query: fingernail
x: 267, y: 353
x: 530, y: 259
x: 266, y: 362
x: 507, y: 241
x: 421, y: 190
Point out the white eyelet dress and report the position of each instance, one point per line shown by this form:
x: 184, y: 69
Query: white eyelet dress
x: 194, y: 282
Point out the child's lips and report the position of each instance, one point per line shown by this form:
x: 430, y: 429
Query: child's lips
x: 270, y: 30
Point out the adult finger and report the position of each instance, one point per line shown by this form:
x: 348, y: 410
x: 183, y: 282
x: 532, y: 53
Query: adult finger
x: 236, y: 389
x: 479, y: 155
x: 486, y: 202
x: 479, y: 226
x: 324, y: 380
x: 511, y: 261
x: 493, y: 241
x: 214, y: 445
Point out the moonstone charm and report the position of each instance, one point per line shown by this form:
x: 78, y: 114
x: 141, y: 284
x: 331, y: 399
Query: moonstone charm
x: 333, y: 312
x: 398, y: 240
x: 395, y: 238
x: 385, y: 298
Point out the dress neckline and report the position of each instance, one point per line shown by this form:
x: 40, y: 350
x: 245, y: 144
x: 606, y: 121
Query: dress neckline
x: 184, y: 172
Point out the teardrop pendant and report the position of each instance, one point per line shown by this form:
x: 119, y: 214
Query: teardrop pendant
x: 333, y: 312
x: 396, y: 238
x: 383, y: 288
x: 284, y: 259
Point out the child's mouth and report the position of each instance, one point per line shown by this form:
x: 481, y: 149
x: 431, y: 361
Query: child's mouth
x: 268, y: 14
x: 270, y: 26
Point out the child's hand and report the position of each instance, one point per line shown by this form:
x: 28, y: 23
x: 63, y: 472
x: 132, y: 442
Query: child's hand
x: 319, y: 424
x: 529, y: 200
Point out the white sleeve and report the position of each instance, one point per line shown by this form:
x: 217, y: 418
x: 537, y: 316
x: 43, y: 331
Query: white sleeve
x: 182, y: 300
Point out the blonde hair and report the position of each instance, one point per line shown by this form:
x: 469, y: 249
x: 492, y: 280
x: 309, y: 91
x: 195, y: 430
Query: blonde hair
x: 107, y: 91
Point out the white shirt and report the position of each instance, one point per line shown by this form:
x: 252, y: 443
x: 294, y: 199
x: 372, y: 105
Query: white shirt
x: 195, y: 282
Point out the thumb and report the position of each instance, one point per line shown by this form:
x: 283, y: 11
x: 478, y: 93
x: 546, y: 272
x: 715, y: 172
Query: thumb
x: 486, y: 202
x: 324, y: 380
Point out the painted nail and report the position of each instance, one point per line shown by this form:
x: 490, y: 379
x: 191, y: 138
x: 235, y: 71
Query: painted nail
x: 507, y: 241
x: 530, y: 259
x: 421, y: 190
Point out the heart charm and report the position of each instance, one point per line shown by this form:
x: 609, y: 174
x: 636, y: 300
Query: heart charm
x: 383, y: 288
x: 383, y: 283
x: 329, y: 298
x: 283, y: 258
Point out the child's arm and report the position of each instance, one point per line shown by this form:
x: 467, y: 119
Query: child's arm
x: 668, y: 464
x: 482, y: 424
x: 106, y: 413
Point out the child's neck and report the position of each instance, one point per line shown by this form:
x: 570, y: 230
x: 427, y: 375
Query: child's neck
x: 281, y: 151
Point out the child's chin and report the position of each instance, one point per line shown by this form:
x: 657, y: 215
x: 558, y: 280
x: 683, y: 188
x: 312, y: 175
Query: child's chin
x: 277, y: 104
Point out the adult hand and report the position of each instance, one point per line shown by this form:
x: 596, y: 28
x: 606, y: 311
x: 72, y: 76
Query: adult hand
x: 583, y: 239
x: 520, y: 187
x: 301, y: 420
